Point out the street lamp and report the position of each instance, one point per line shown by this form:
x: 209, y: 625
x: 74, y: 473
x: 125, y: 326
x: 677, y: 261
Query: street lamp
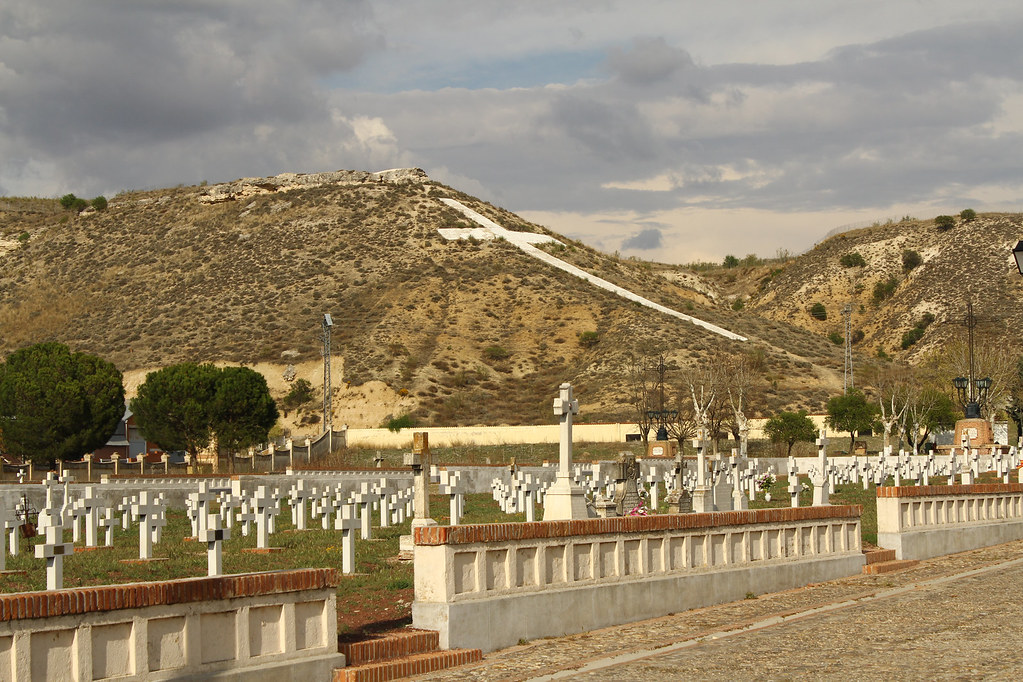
x: 1017, y: 253
x: 972, y: 394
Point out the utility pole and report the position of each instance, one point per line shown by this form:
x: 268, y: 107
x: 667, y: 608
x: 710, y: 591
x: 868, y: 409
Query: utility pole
x: 328, y: 406
x: 848, y: 373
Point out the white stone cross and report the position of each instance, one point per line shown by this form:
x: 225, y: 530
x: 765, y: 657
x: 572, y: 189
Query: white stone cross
x: 365, y: 498
x: 346, y: 522
x: 199, y: 507
x: 564, y: 407
x: 91, y: 506
x: 147, y: 511
x: 15, y: 523
x: 299, y: 494
x: 108, y: 522
x: 820, y: 482
x: 213, y: 534
x: 266, y: 508
x: 54, y: 549
x: 5, y: 518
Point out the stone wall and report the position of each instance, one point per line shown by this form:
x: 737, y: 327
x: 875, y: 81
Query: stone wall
x: 280, y: 625
x: 920, y: 522
x: 488, y: 586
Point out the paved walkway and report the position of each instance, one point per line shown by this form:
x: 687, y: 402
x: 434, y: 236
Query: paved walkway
x: 952, y: 617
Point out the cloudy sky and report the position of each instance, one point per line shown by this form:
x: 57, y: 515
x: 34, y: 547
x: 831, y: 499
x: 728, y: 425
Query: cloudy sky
x: 676, y: 131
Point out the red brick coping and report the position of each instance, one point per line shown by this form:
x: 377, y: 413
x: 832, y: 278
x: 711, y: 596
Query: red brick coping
x: 945, y: 490
x: 80, y: 600
x: 498, y: 532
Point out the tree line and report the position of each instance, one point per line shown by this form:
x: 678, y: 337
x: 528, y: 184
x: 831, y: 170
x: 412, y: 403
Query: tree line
x: 906, y: 405
x: 58, y: 405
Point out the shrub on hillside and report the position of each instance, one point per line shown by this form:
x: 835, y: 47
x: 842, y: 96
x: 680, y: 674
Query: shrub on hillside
x: 944, y: 222
x: 396, y: 424
x: 818, y: 311
x: 968, y: 215
x: 100, y: 203
x: 496, y: 353
x: 589, y: 339
x: 730, y: 261
x: 910, y: 260
x: 885, y: 290
x: 852, y: 260
x: 836, y: 338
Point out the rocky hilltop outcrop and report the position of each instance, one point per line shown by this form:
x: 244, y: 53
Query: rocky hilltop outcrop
x: 250, y: 187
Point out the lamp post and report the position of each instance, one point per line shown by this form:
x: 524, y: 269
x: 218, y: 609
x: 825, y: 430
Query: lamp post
x: 972, y: 393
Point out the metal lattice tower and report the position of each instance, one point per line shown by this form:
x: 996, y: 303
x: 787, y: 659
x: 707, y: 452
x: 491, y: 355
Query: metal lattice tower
x: 328, y: 407
x: 848, y: 373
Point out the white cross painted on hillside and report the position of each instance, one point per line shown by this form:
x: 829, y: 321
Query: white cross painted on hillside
x: 564, y: 407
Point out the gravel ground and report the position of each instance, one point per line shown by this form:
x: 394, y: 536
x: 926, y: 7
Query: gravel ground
x: 937, y: 620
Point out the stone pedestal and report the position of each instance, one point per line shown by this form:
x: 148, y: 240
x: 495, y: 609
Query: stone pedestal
x: 662, y: 448
x: 977, y: 433
x: 703, y: 499
x: 564, y: 501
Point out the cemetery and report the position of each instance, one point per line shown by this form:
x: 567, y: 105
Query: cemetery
x: 152, y: 577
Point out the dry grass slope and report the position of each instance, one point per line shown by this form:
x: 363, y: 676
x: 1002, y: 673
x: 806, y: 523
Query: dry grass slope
x: 468, y: 332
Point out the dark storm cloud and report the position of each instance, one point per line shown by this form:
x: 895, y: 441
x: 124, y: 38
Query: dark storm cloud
x: 644, y: 240
x: 110, y: 78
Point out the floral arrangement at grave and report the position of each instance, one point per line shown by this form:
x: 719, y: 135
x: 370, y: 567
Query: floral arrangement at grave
x: 765, y: 481
x: 639, y: 510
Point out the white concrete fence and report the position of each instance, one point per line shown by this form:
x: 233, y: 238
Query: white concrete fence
x: 277, y: 626
x: 920, y: 522
x: 488, y: 586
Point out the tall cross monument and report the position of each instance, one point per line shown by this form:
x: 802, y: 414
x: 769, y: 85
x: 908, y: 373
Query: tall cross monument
x: 565, y: 499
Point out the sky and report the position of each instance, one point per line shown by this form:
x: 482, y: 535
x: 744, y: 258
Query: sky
x: 674, y: 131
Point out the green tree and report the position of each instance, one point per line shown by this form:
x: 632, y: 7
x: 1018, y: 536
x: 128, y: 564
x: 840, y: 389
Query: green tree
x: 730, y: 261
x: 68, y: 201
x: 242, y: 410
x: 944, y: 222
x: 790, y: 428
x: 818, y: 311
x: 968, y: 215
x: 55, y: 404
x: 100, y: 203
x: 172, y: 407
x: 851, y: 412
x: 930, y: 409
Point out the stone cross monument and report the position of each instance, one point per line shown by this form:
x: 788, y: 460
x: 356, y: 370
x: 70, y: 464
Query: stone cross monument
x: 565, y: 499
x: 703, y: 495
x: 626, y: 489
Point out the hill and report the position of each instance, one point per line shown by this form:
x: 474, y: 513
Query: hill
x: 454, y: 331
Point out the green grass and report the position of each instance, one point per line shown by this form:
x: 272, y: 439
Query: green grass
x: 381, y: 587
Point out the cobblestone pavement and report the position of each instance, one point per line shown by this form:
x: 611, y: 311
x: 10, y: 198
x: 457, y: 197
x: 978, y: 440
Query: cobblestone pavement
x: 947, y: 618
